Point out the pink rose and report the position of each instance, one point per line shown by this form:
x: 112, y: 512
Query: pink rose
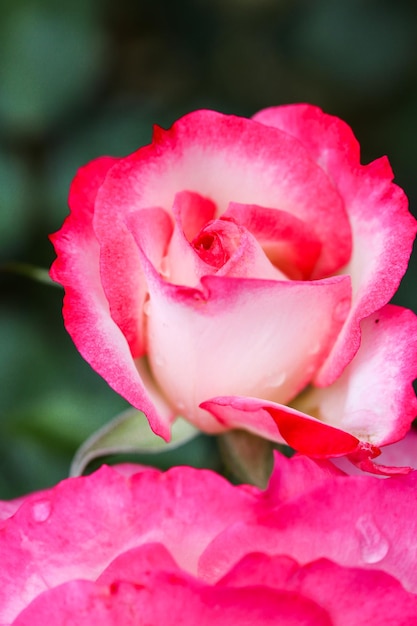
x: 186, y: 547
x: 233, y: 264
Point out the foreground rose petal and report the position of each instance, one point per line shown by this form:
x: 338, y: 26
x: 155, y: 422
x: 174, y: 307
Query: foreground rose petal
x: 234, y: 264
x: 186, y: 546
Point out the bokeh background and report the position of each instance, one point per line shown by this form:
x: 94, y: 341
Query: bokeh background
x: 85, y: 78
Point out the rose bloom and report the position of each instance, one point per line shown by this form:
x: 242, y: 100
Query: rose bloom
x: 134, y: 546
x: 237, y: 271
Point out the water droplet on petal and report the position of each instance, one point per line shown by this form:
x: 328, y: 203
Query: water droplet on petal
x: 164, y: 268
x: 341, y: 310
x: 315, y: 349
x: 147, y: 307
x: 373, y: 544
x: 41, y: 510
x: 276, y: 380
x: 159, y: 360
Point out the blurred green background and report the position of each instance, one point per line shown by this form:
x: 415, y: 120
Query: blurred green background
x: 85, y: 78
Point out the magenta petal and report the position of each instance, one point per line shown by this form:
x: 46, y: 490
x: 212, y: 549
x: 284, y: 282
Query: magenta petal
x: 347, y: 594
x: 349, y: 520
x: 353, y: 595
x: 186, y: 602
x: 135, y: 564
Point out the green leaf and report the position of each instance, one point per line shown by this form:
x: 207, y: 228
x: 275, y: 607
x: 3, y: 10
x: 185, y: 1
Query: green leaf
x: 129, y: 432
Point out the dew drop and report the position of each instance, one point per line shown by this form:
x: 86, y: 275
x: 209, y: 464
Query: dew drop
x: 315, y: 349
x: 159, y: 360
x: 372, y: 543
x: 341, y: 310
x: 147, y: 307
x: 41, y: 510
x: 276, y: 380
x: 164, y: 268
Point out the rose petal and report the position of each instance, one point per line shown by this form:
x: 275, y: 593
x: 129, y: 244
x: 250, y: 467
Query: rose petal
x: 237, y: 253
x: 183, y: 265
x: 224, y: 158
x: 86, y: 310
x: 186, y: 602
x: 400, y: 453
x: 302, y: 432
x: 305, y: 528
x: 383, y: 230
x: 374, y: 398
x: 57, y: 549
x: 289, y: 242
x: 184, y: 325
x: 137, y: 563
x: 343, y: 592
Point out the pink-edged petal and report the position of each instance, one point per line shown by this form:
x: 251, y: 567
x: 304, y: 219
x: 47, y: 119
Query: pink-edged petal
x: 399, y: 454
x: 329, y: 139
x: 221, y: 247
x: 182, y: 264
x: 120, y: 268
x: 382, y: 228
x: 374, y: 398
x: 289, y: 242
x: 364, y: 457
x: 186, y: 326
x: 244, y: 257
x: 192, y: 212
x: 223, y: 158
x: 302, y: 432
x: 86, y: 310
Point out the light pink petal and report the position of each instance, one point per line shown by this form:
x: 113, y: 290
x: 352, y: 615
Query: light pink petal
x: 289, y: 242
x: 374, y: 398
x: 382, y: 228
x: 302, y: 432
x: 221, y: 247
x: 188, y: 329
x: 182, y: 264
